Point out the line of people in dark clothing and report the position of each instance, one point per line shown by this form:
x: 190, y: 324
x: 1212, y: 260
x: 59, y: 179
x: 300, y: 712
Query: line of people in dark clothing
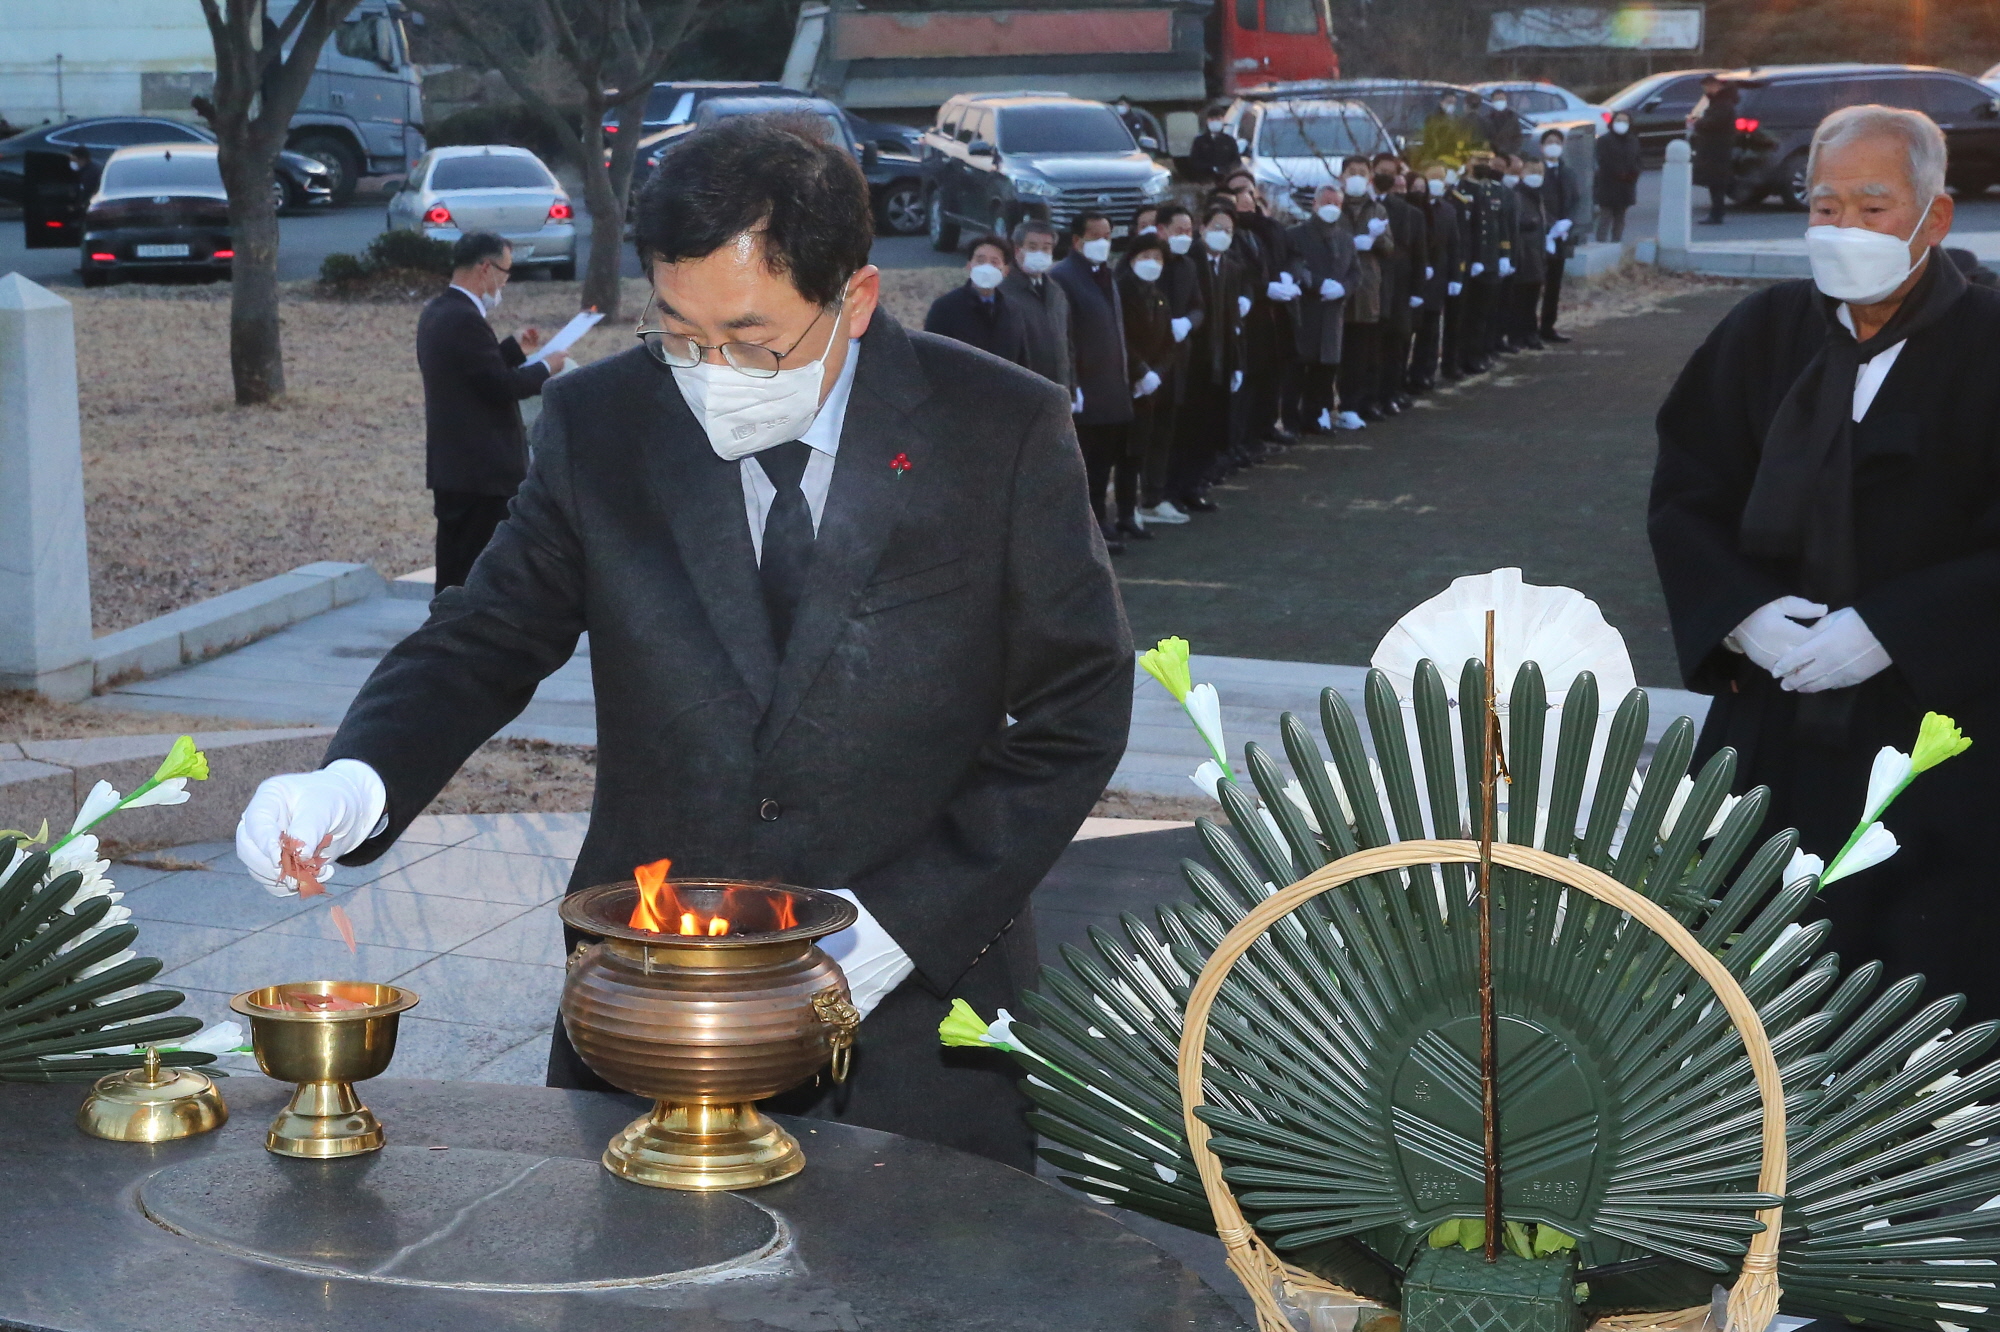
x: 1221, y: 335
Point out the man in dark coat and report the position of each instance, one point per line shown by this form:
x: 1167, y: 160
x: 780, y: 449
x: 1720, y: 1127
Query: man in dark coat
x: 475, y: 452
x: 1447, y: 273
x: 1043, y: 307
x: 1214, y: 152
x: 1489, y: 260
x: 1712, y: 127
x: 1523, y: 292
x: 1151, y: 355
x: 1181, y: 281
x: 977, y: 312
x: 1362, y: 342
x: 1322, y: 265
x: 863, y: 637
x: 1403, y: 281
x: 1267, y: 329
x: 1215, y: 362
x: 1826, y: 519
x: 1103, y: 394
x: 1614, y: 177
x: 1562, y: 203
x: 1503, y: 124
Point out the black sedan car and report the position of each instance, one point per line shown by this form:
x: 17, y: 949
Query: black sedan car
x: 1658, y: 106
x: 302, y: 182
x: 158, y: 207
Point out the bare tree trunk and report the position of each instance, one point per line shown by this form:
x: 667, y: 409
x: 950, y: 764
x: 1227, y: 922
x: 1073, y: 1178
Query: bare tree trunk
x: 608, y: 190
x: 256, y: 356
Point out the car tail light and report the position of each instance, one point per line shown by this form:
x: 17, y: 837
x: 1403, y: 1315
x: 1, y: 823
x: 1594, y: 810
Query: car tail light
x: 225, y: 254
x: 104, y: 258
x: 1607, y: 117
x: 560, y: 211
x: 437, y: 215
x: 610, y: 129
x: 53, y: 222
x: 1746, y: 125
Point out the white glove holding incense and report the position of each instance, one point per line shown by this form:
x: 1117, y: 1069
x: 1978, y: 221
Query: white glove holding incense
x: 1839, y: 651
x: 1181, y: 327
x: 1772, y: 630
x: 1147, y: 383
x: 339, y: 806
x: 872, y: 962
x: 1329, y: 290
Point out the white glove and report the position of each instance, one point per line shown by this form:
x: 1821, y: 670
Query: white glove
x: 1280, y: 291
x: 1770, y: 631
x: 874, y: 965
x: 1560, y: 229
x: 1365, y: 241
x: 1477, y: 268
x: 1147, y: 383
x: 341, y: 805
x: 1330, y: 290
x: 1181, y: 327
x: 1236, y: 381
x: 1429, y: 272
x: 1242, y: 306
x: 1453, y: 288
x: 1550, y: 244
x: 1377, y: 225
x: 1506, y: 266
x: 1839, y: 651
x: 1416, y: 301
x: 1077, y: 406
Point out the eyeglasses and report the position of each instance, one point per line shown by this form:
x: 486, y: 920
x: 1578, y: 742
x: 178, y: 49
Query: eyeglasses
x: 684, y: 353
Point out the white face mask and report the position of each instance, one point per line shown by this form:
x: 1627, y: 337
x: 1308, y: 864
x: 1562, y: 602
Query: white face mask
x: 1859, y: 266
x: 1036, y: 261
x: 1552, y: 151
x: 1499, y: 104
x: 1354, y: 186
x: 1510, y: 181
x: 1219, y: 239
x: 1621, y: 127
x: 490, y: 301
x: 1215, y: 127
x: 1327, y: 212
x: 743, y: 415
x: 1147, y: 270
x: 1097, y: 251
x: 1149, y: 230
x: 1436, y: 187
x: 1181, y: 244
x: 1533, y: 182
x: 986, y: 276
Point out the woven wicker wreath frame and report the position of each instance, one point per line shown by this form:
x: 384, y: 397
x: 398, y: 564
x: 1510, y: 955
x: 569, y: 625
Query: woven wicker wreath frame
x: 1754, y: 1300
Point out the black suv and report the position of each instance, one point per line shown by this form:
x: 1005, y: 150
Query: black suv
x: 1000, y: 157
x: 1781, y: 106
x: 1658, y: 106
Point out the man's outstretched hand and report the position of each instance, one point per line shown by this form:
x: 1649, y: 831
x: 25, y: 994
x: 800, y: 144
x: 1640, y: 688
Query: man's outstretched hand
x: 323, y: 814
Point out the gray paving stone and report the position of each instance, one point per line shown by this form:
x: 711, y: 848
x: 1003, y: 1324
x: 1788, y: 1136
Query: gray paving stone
x: 447, y: 1051
x: 446, y: 829
x: 203, y: 897
x: 533, y: 936
x: 484, y: 876
x: 269, y: 958
x: 423, y: 921
x: 526, y: 1065
x: 484, y: 992
x: 176, y: 944
x: 558, y: 835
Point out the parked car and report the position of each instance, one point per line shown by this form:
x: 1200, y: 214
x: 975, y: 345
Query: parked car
x: 672, y: 104
x: 1295, y: 146
x: 157, y: 206
x: 1658, y: 106
x: 1401, y: 105
x: 895, y: 179
x: 1000, y: 157
x: 491, y: 187
x: 1991, y: 78
x: 302, y: 182
x: 887, y: 135
x: 1542, y: 103
x: 1781, y: 106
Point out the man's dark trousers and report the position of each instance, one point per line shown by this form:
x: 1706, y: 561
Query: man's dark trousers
x: 465, y: 524
x: 1552, y: 290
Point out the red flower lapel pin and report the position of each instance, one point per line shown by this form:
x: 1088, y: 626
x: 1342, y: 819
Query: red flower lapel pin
x: 900, y: 463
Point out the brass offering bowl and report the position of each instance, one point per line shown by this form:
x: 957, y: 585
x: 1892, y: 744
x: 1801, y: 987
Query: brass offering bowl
x: 152, y: 1103
x: 326, y: 1053
x: 707, y: 1025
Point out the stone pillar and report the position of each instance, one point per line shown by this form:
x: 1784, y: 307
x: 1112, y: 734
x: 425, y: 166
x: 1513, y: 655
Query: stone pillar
x: 45, y: 640
x: 1676, y: 205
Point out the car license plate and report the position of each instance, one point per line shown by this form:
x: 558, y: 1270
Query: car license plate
x: 1119, y: 233
x: 161, y: 251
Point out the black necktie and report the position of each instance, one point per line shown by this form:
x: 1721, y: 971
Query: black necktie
x: 788, y: 537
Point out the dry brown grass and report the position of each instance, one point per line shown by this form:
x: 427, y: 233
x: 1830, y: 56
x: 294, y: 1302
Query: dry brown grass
x: 521, y: 776
x: 25, y: 716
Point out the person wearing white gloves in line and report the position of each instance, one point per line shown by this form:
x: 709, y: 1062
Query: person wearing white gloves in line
x: 1364, y: 331
x: 1323, y: 262
x: 851, y: 626
x: 1563, y: 192
x: 1825, y: 518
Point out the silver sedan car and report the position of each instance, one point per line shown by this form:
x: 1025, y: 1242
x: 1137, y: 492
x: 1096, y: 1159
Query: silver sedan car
x: 491, y: 187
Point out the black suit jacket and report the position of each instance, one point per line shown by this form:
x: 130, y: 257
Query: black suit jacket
x: 1097, y: 338
x: 944, y: 597
x: 992, y: 326
x: 473, y: 384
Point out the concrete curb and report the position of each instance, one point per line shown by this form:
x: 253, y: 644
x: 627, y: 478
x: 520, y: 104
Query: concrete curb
x: 48, y: 779
x: 209, y: 628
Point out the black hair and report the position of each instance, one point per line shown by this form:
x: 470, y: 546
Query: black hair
x: 475, y: 247
x: 998, y: 242
x: 1385, y: 156
x: 1218, y: 206
x: 1035, y: 226
x: 1168, y: 212
x: 770, y: 174
x: 1218, y: 110
x: 1240, y: 173
x: 1081, y: 223
x: 1560, y: 135
x: 1144, y: 243
x: 1352, y: 158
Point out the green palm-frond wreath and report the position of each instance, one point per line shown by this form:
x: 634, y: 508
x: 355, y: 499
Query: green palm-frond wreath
x: 1342, y: 1082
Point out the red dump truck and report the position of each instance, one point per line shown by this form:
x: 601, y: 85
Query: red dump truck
x: 901, y: 55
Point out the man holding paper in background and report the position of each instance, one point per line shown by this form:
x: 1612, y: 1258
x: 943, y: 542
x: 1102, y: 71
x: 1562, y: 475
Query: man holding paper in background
x: 475, y: 451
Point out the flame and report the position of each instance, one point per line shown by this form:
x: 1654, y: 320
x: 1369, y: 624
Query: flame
x: 787, y: 917
x: 720, y: 925
x: 650, y: 912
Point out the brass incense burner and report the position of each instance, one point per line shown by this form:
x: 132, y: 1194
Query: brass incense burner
x: 326, y: 1036
x: 729, y: 1003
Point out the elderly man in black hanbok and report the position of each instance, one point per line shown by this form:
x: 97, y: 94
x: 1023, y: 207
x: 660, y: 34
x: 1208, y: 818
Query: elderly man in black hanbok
x: 1826, y: 519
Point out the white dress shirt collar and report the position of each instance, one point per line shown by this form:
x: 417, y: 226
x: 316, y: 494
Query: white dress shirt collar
x: 477, y: 304
x: 824, y: 433
x: 823, y: 438
x: 1868, y: 379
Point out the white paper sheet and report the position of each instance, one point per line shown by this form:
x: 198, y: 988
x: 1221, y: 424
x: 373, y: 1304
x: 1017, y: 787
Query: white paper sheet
x: 563, y: 341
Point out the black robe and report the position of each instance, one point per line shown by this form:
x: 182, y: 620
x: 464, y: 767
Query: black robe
x: 1927, y: 538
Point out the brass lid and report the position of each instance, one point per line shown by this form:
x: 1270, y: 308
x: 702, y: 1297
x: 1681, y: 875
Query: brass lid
x: 152, y: 1103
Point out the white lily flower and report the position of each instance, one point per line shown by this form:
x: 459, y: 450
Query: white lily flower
x: 1204, y: 709
x: 116, y: 960
x: 1802, y: 864
x: 1679, y: 803
x: 1888, y: 773
x: 1209, y: 778
x: 1785, y: 936
x: 219, y: 1039
x: 1000, y: 1031
x: 1875, y: 846
x: 101, y: 801
x: 172, y: 791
